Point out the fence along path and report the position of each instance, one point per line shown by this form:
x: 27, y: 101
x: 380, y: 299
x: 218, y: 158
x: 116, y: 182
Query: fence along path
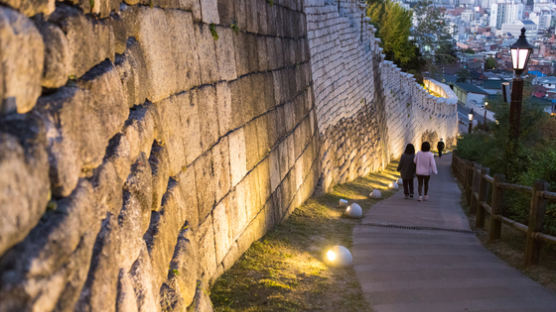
x: 422, y: 256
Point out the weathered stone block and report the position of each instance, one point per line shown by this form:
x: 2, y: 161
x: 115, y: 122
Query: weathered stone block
x: 241, y: 52
x: 186, y: 182
x: 207, y: 252
x: 57, y: 58
x: 178, y: 123
x: 225, y: 54
x: 222, y: 232
x: 205, y: 100
x: 22, y: 57
x: 274, y: 164
x: 31, y: 7
x: 221, y: 162
x: 133, y: 73
x: 224, y: 111
x: 125, y: 300
x: 146, y: 291
x: 238, y: 157
x: 237, y: 211
x: 184, y: 268
x: 80, y: 121
x: 167, y: 42
x: 205, y: 180
x: 82, y: 31
x: 58, y: 250
x: 163, y: 231
x: 226, y: 12
x: 206, y: 53
x: 24, y: 180
x: 209, y: 10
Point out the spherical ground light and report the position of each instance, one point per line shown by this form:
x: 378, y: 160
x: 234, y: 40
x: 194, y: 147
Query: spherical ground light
x: 354, y: 211
x: 375, y: 194
x: 393, y: 185
x: 342, y: 202
x: 338, y: 256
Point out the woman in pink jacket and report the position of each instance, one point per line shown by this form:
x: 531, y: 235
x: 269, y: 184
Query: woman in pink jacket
x: 425, y: 165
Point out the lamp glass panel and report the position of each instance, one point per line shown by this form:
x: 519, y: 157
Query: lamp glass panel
x: 522, y: 57
x: 514, y: 58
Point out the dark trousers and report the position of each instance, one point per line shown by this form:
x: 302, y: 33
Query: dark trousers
x: 423, y: 179
x: 440, y: 153
x: 408, y: 186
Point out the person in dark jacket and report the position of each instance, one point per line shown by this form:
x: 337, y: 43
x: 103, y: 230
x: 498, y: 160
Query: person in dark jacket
x: 440, y: 147
x: 406, y: 167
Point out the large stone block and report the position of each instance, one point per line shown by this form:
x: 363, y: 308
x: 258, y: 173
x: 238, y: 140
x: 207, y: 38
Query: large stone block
x: 207, y: 252
x: 164, y: 229
x: 225, y: 54
x: 206, y: 102
x: 31, y: 7
x: 226, y: 12
x: 50, y: 266
x: 133, y: 73
x: 24, y: 179
x: 238, y: 158
x: 209, y: 11
x: 205, y: 180
x: 80, y: 121
x: 185, y: 267
x: 178, y: 126
x: 224, y: 111
x: 206, y: 52
x: 57, y: 58
x: 144, y: 286
x: 83, y: 31
x: 223, y: 234
x: 221, y: 161
x: 167, y: 41
x: 21, y: 59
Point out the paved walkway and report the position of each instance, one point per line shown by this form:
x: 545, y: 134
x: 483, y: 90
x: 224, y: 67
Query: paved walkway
x: 422, y: 256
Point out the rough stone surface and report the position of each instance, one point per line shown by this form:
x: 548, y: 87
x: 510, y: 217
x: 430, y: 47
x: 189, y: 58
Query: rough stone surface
x: 24, y: 183
x: 31, y: 7
x: 172, y: 134
x: 21, y: 62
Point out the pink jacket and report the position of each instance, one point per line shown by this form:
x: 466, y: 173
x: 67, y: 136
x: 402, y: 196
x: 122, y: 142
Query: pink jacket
x: 425, y: 163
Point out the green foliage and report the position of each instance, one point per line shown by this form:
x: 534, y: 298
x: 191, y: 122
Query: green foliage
x: 213, y: 32
x: 532, y: 159
x: 92, y: 4
x: 490, y: 63
x: 393, y: 23
x: 234, y: 27
x: 468, y: 51
x: 271, y: 2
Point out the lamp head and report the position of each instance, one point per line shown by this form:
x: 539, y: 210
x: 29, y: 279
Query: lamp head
x: 521, y: 52
x: 470, y: 115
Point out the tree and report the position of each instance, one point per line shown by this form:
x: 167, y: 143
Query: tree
x: 432, y: 36
x: 393, y: 24
x: 490, y: 63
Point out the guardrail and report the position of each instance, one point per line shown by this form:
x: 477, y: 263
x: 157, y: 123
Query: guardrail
x: 478, y: 185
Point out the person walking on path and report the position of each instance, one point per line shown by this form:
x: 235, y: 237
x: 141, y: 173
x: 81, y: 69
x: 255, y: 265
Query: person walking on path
x: 406, y: 167
x: 425, y: 165
x: 440, y: 147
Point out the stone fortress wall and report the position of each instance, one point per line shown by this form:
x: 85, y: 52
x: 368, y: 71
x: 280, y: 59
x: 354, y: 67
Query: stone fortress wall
x: 145, y: 144
x: 140, y: 155
x: 367, y: 109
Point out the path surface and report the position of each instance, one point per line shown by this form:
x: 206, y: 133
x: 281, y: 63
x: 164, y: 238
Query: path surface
x: 422, y: 256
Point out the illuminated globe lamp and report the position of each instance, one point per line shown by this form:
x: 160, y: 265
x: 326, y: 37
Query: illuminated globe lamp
x: 354, y: 211
x: 521, y: 52
x: 393, y: 185
x: 375, y: 194
x: 342, y: 202
x: 338, y: 256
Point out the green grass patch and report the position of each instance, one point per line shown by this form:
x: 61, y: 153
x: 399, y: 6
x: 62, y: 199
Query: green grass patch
x: 284, y: 271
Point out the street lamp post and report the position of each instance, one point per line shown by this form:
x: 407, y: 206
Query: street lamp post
x: 520, y: 51
x: 485, y: 115
x: 470, y: 117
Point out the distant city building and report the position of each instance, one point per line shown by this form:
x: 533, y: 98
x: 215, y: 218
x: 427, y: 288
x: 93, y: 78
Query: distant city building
x: 515, y: 29
x: 505, y: 12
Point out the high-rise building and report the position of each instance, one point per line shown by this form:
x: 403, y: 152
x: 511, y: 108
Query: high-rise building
x: 505, y: 12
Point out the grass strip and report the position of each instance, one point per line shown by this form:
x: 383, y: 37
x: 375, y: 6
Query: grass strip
x: 284, y: 271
